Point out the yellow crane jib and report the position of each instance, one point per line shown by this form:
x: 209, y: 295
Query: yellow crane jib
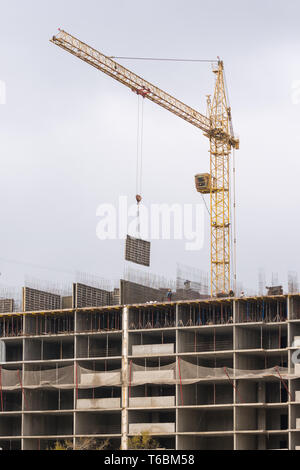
x: 216, y: 125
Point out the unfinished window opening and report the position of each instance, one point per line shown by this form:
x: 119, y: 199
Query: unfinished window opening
x: 205, y: 443
x: 261, y: 419
x: 208, y: 313
x: 50, y: 324
x: 49, y: 349
x: 207, y: 394
x: 197, y: 420
x: 212, y: 362
x: 38, y: 400
x: 42, y: 375
x: 276, y: 392
x: 48, y: 424
x: 295, y: 335
x: 100, y: 392
x: 11, y: 400
x: 144, y: 343
x: 261, y: 310
x: 10, y: 444
x: 295, y: 308
x: 260, y: 360
x: 99, y: 346
x: 11, y: 325
x: 152, y: 396
x: 164, y: 442
x: 14, y: 351
x: 91, y: 377
x: 100, y: 365
x: 152, y: 317
x: 10, y: 425
x: 100, y: 423
x: 202, y: 340
x: 295, y: 392
x: 261, y: 337
x: 99, y: 398
x: 154, y: 422
x: 96, y: 321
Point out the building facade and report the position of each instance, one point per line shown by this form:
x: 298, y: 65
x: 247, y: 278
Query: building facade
x: 203, y: 374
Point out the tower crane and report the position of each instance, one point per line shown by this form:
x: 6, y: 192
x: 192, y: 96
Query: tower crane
x: 216, y: 126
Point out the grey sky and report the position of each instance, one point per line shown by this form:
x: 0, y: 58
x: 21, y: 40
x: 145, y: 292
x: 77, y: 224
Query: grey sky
x: 68, y: 132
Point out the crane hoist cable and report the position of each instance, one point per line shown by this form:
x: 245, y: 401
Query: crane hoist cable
x: 164, y: 59
x: 208, y: 211
x: 139, y: 160
x: 233, y: 195
x: 140, y: 131
x: 208, y: 104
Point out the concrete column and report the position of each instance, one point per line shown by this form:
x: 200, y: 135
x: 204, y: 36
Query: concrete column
x: 234, y: 332
x: 176, y: 386
x: 261, y: 392
x: 289, y: 301
x: 261, y: 419
x: 234, y: 313
x: 75, y: 369
x: 261, y: 442
x: 289, y: 419
x: 261, y: 416
x: 124, y: 397
x: 22, y: 375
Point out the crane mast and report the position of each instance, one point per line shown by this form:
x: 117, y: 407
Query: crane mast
x: 219, y: 191
x: 217, y: 126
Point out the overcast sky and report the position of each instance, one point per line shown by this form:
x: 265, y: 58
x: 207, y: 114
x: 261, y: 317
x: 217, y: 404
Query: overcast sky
x: 68, y: 132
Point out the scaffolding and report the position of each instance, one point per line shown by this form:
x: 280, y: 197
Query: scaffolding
x: 97, y: 321
x: 152, y: 317
x: 50, y: 323
x: 263, y: 309
x: 11, y: 325
x: 212, y: 313
x: 193, y: 279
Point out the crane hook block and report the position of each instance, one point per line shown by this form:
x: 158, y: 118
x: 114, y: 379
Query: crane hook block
x: 138, y: 198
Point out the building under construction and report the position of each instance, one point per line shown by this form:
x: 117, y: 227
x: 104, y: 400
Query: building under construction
x: 197, y: 374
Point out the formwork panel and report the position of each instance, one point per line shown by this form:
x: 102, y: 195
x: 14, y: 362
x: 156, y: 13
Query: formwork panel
x: 35, y: 300
x: 88, y: 296
x: 6, y: 305
x: 137, y: 251
x: 134, y: 293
